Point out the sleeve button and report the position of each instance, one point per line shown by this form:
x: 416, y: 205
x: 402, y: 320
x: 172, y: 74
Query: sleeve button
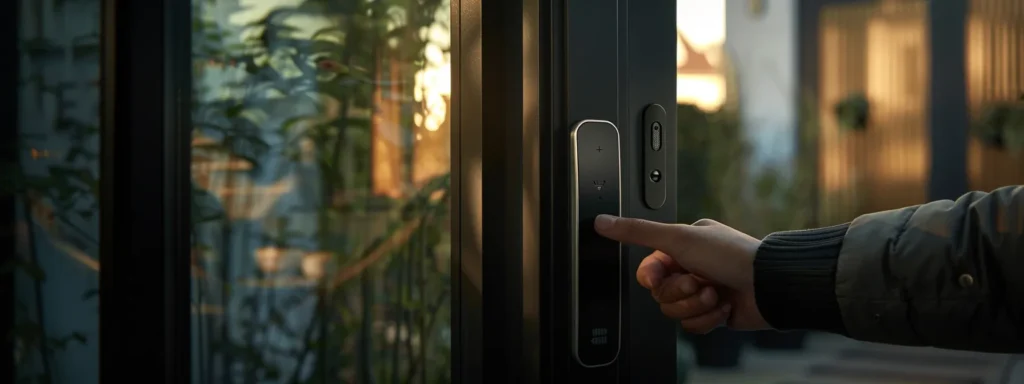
x: 966, y: 280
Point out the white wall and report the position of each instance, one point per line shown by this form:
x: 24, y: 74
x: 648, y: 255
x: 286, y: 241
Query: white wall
x: 763, y: 50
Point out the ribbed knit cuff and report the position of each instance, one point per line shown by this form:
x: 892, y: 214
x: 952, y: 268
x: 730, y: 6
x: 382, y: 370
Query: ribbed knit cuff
x: 795, y: 279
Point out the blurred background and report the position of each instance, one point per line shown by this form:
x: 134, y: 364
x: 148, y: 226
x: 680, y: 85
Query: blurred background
x: 809, y: 113
x: 320, y: 171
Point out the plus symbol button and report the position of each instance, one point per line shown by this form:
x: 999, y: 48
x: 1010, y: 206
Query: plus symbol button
x: 599, y: 148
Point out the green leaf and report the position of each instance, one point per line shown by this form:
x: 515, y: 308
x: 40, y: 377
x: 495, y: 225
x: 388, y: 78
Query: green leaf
x: 853, y: 112
x: 90, y: 294
x: 234, y: 110
x: 205, y: 206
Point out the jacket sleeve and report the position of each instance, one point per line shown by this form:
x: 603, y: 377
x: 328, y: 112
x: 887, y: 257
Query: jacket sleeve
x: 944, y: 274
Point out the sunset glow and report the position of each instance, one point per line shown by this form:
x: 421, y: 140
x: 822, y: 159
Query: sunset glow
x: 702, y: 24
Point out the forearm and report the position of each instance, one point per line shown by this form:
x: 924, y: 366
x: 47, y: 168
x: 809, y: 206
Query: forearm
x: 945, y: 274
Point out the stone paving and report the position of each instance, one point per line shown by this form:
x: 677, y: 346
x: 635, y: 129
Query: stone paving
x: 830, y: 359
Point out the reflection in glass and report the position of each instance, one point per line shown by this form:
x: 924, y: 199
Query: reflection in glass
x: 320, y: 174
x: 53, y: 187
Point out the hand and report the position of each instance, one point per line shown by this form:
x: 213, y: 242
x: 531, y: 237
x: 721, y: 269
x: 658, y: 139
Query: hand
x: 683, y: 296
x: 689, y: 261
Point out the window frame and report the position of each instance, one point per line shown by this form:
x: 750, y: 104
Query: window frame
x: 8, y: 213
x: 145, y: 190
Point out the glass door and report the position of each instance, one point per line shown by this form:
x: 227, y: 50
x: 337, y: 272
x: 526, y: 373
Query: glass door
x: 320, y: 191
x: 378, y: 188
x: 313, y: 191
x: 49, y: 154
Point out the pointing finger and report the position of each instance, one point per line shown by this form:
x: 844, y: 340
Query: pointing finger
x: 640, y: 232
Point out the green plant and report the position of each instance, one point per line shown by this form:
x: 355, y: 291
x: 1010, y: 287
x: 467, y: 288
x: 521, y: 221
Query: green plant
x: 309, y: 96
x: 55, y: 194
x: 1001, y: 125
x: 723, y: 185
x: 853, y: 112
x: 54, y: 186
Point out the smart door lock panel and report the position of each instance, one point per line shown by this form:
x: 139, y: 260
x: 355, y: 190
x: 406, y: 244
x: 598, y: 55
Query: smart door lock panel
x: 596, y: 285
x: 655, y: 156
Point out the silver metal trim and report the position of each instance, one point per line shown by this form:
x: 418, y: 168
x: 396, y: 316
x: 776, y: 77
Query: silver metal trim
x: 574, y: 237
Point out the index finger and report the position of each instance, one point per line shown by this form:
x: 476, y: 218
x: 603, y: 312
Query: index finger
x: 646, y: 233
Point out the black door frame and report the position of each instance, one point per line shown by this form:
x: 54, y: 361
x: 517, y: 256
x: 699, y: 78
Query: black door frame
x: 512, y: 96
x: 145, y: 189
x: 9, y: 157
x: 519, y: 82
x: 143, y: 186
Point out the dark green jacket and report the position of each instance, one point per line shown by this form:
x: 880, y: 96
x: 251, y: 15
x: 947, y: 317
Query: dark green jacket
x: 944, y: 274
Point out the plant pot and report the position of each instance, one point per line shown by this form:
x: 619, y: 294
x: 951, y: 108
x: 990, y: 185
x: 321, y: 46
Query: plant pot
x: 786, y: 341
x: 720, y: 348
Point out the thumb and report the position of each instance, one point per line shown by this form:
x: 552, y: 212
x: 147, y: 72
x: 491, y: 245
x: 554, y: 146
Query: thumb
x: 645, y: 233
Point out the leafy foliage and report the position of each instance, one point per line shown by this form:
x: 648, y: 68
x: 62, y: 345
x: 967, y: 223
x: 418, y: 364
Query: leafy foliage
x: 54, y: 183
x: 725, y: 187
x: 1002, y: 125
x: 853, y: 112
x: 295, y: 103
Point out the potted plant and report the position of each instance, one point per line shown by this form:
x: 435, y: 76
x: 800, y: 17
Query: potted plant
x: 853, y: 112
x: 1001, y: 126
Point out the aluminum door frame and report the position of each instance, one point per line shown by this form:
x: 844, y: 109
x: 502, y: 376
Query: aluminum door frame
x: 520, y: 79
x: 145, y: 189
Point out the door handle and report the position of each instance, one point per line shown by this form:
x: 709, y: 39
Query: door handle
x: 596, y: 260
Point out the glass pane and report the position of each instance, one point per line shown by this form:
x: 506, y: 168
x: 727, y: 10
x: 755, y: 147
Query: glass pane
x: 796, y: 114
x: 50, y: 177
x: 320, y: 165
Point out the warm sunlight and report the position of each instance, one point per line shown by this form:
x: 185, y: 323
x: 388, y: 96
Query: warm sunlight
x: 701, y: 21
x: 431, y: 90
x: 702, y: 24
x: 432, y: 144
x: 707, y: 92
x: 433, y: 83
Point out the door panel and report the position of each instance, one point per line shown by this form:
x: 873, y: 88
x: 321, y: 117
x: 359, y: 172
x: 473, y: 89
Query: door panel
x: 619, y: 61
x: 528, y: 72
x: 592, y: 92
x: 650, y: 62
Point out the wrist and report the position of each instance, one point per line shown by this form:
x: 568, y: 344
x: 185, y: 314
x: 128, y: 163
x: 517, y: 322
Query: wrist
x: 794, y: 279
